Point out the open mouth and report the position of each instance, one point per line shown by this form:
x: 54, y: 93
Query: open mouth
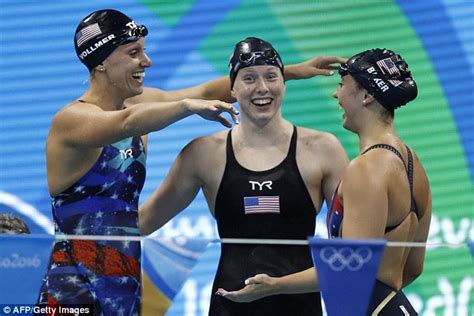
x: 138, y: 76
x: 262, y: 101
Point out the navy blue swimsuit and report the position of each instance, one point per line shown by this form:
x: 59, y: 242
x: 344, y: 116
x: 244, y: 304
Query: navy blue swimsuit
x: 385, y: 300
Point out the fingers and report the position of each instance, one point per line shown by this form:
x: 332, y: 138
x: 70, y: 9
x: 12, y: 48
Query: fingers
x: 337, y: 59
x: 227, y: 107
x: 223, y: 121
x: 235, y: 118
x: 221, y: 292
x: 324, y: 72
x: 327, y: 60
x: 253, y: 280
x: 232, y: 296
x: 257, y: 279
x: 232, y: 111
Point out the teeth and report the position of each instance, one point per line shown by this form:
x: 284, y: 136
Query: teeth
x: 138, y: 75
x: 262, y: 101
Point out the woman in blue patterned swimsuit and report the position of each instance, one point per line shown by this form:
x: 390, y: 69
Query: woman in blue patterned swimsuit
x: 96, y: 164
x: 384, y: 192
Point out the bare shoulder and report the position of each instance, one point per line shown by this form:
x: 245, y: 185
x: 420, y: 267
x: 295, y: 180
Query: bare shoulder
x: 314, y: 138
x: 359, y: 165
x: 205, y: 157
x: 322, y: 144
x: 206, y: 148
x: 359, y: 175
x: 72, y: 110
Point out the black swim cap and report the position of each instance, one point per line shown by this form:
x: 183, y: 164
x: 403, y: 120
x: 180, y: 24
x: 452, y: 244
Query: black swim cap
x: 383, y: 74
x: 101, y: 32
x: 12, y: 224
x: 253, y: 51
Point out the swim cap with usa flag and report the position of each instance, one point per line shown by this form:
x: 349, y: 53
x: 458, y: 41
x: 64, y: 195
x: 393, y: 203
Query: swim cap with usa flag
x: 384, y: 74
x: 101, y: 32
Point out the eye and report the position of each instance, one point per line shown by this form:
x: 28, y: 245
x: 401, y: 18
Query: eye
x: 272, y: 75
x: 248, y: 78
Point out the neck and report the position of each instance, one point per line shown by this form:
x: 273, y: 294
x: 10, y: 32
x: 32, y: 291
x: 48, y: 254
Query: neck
x: 103, y: 98
x: 256, y: 135
x: 377, y: 133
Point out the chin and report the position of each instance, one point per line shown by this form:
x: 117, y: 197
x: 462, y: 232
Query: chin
x: 135, y: 92
x: 349, y: 128
x: 346, y: 126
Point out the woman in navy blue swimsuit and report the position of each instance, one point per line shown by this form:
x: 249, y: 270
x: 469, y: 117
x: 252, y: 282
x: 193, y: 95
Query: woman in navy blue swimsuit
x: 384, y: 192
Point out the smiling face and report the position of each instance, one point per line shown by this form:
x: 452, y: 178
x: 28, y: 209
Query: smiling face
x: 259, y: 90
x: 125, y: 68
x: 351, y: 99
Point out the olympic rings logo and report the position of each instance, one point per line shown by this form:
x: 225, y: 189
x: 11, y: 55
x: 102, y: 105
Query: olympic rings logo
x: 346, y: 257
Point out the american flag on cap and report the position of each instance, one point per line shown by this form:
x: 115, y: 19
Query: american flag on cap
x: 87, y: 33
x: 387, y: 66
x: 261, y: 204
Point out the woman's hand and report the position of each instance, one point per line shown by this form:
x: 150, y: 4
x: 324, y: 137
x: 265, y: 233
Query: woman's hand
x: 256, y: 287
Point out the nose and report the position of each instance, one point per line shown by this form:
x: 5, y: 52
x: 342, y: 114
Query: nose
x: 146, y: 61
x: 262, y: 87
x: 334, y: 94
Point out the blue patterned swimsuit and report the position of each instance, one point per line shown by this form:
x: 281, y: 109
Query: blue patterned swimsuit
x: 102, y: 202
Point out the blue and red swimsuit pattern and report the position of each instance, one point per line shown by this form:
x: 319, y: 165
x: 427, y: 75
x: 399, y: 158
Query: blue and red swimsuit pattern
x: 104, y: 201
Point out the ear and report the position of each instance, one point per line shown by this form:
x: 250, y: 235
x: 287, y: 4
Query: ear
x: 368, y: 98
x: 100, y: 68
x: 232, y: 93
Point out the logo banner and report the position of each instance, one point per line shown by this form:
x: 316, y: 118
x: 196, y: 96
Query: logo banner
x: 23, y: 263
x: 166, y: 265
x: 346, y: 271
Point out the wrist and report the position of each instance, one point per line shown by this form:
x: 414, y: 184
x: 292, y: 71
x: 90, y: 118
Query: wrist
x: 186, y: 105
x: 277, y: 286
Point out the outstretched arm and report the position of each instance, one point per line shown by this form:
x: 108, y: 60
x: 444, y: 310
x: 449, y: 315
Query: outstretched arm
x: 86, y: 125
x: 318, y: 66
x: 219, y: 89
x: 263, y: 285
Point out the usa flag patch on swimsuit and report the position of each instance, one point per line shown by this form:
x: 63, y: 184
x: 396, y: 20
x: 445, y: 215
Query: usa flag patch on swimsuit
x: 262, y: 204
